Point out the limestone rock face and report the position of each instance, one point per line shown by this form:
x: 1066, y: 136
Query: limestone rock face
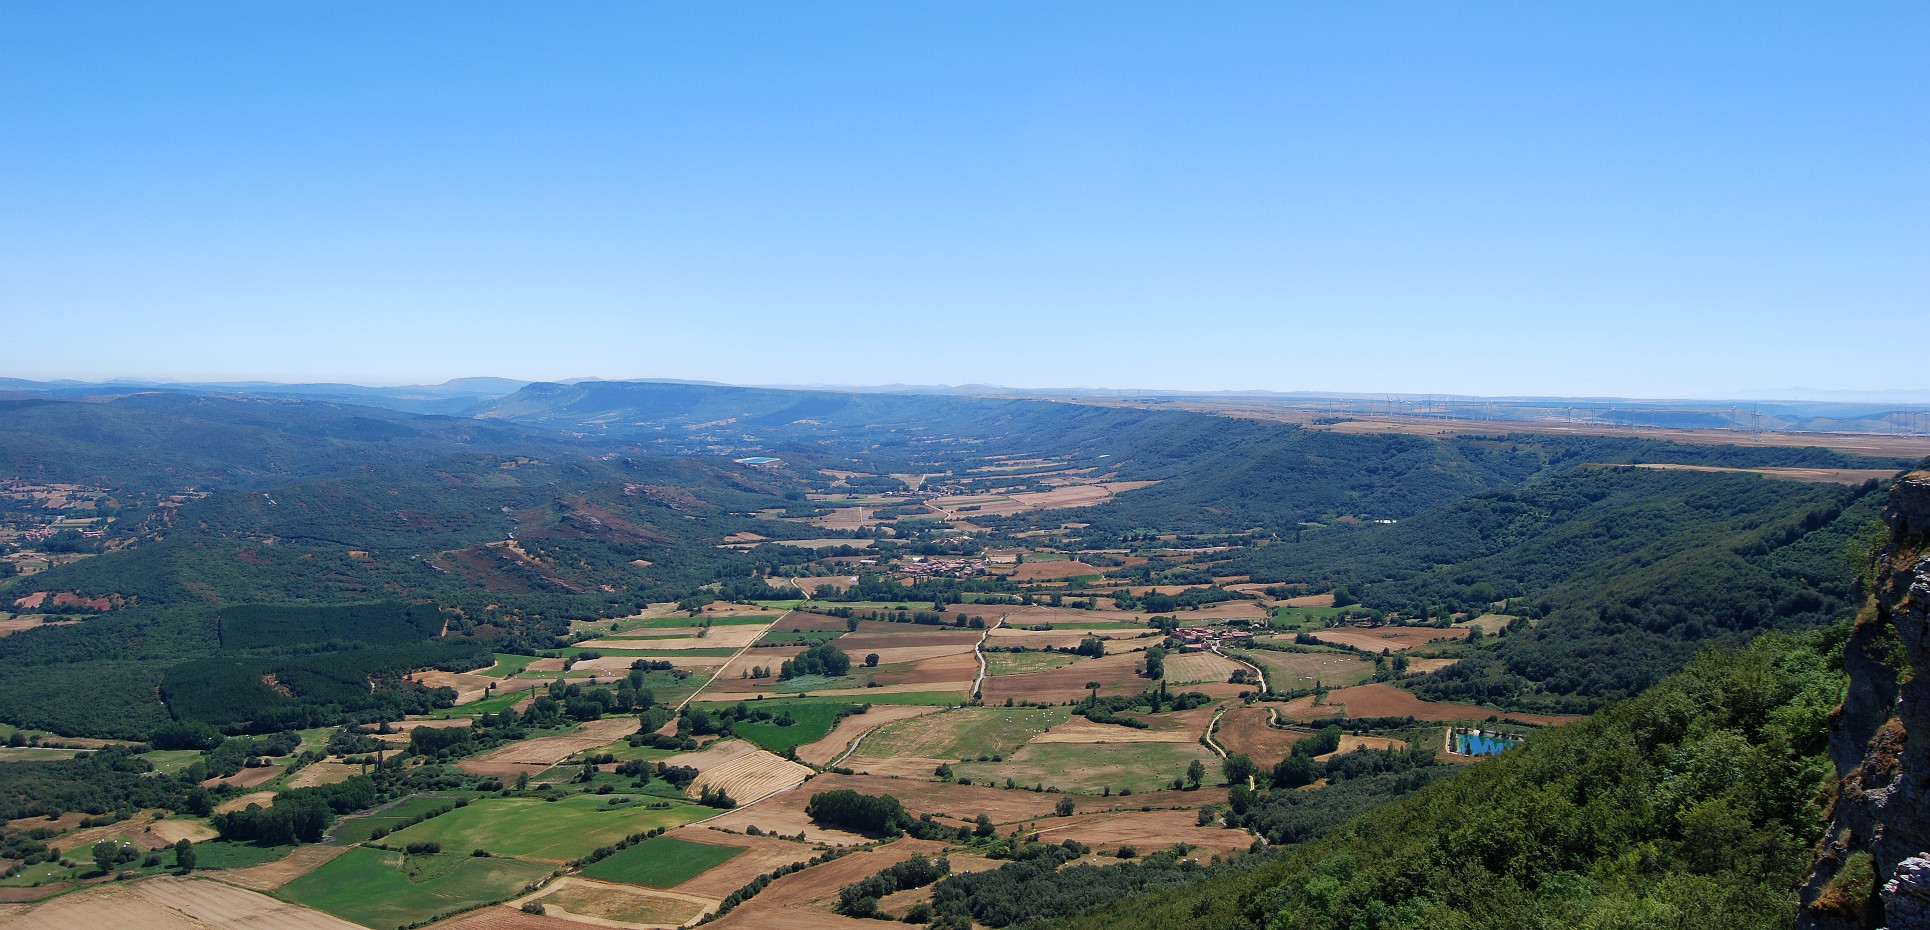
x: 1873, y: 867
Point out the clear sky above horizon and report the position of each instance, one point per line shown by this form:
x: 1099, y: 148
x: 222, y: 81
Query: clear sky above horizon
x: 1605, y: 199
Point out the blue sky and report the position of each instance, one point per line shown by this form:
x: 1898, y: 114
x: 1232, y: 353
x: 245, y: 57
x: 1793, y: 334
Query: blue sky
x: 1626, y: 199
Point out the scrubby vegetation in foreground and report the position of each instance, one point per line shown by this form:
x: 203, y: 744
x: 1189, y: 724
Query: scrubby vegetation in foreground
x: 1689, y: 805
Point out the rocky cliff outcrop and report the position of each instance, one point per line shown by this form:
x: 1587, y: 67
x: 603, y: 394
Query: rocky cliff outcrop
x: 1873, y: 867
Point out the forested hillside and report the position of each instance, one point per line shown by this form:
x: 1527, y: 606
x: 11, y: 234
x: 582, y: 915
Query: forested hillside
x: 1690, y: 805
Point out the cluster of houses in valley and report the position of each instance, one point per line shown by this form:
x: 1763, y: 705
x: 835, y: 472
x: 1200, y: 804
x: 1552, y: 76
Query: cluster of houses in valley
x: 919, y: 567
x: 1198, y: 639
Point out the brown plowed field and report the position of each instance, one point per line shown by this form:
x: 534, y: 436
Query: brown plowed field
x: 1244, y: 729
x: 1383, y: 700
x: 893, y: 655
x: 801, y: 899
x: 751, y: 776
x: 534, y: 755
x: 1037, y: 614
x: 271, y: 875
x: 247, y: 778
x: 1390, y: 638
x: 908, y: 635
x: 835, y: 742
x: 1115, y: 673
x: 1045, y: 571
x: 956, y: 670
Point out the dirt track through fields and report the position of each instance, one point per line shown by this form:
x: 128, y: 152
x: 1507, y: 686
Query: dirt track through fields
x: 766, y: 628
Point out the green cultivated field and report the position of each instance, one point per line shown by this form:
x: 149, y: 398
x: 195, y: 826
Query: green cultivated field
x: 358, y: 829
x: 553, y: 831
x: 1091, y: 767
x: 661, y: 862
x: 1018, y: 663
x: 378, y: 888
x: 813, y: 722
x: 664, y: 623
x: 221, y: 854
x: 965, y: 733
x: 508, y: 666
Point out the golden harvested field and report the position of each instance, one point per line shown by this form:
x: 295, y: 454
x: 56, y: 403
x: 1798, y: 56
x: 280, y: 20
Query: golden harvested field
x: 619, y: 666
x: 576, y: 897
x: 1116, y: 674
x: 258, y: 798
x: 1389, y: 638
x: 1185, y: 668
x: 728, y: 636
x: 1075, y: 495
x: 834, y: 743
x: 469, y: 686
x: 1308, y: 600
x: 1081, y: 730
x: 168, y: 902
x: 248, y: 778
x: 323, y: 773
x: 750, y: 776
x: 785, y: 814
x: 175, y: 829
x: 1428, y: 666
x: 1352, y: 743
x: 534, y: 755
x: 1052, y: 571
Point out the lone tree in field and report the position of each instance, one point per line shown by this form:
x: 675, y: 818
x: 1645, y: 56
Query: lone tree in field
x: 871, y: 661
x: 1093, y: 687
x: 1064, y: 808
x: 1238, y: 768
x: 184, y: 856
x: 1195, y: 773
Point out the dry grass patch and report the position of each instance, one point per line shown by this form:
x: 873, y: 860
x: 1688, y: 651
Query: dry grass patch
x: 850, y: 728
x: 1389, y: 638
x: 1188, y: 668
x: 534, y: 755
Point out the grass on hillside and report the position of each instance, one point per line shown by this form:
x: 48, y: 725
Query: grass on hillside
x: 553, y: 831
x: 378, y: 888
x: 965, y: 733
x: 661, y: 862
